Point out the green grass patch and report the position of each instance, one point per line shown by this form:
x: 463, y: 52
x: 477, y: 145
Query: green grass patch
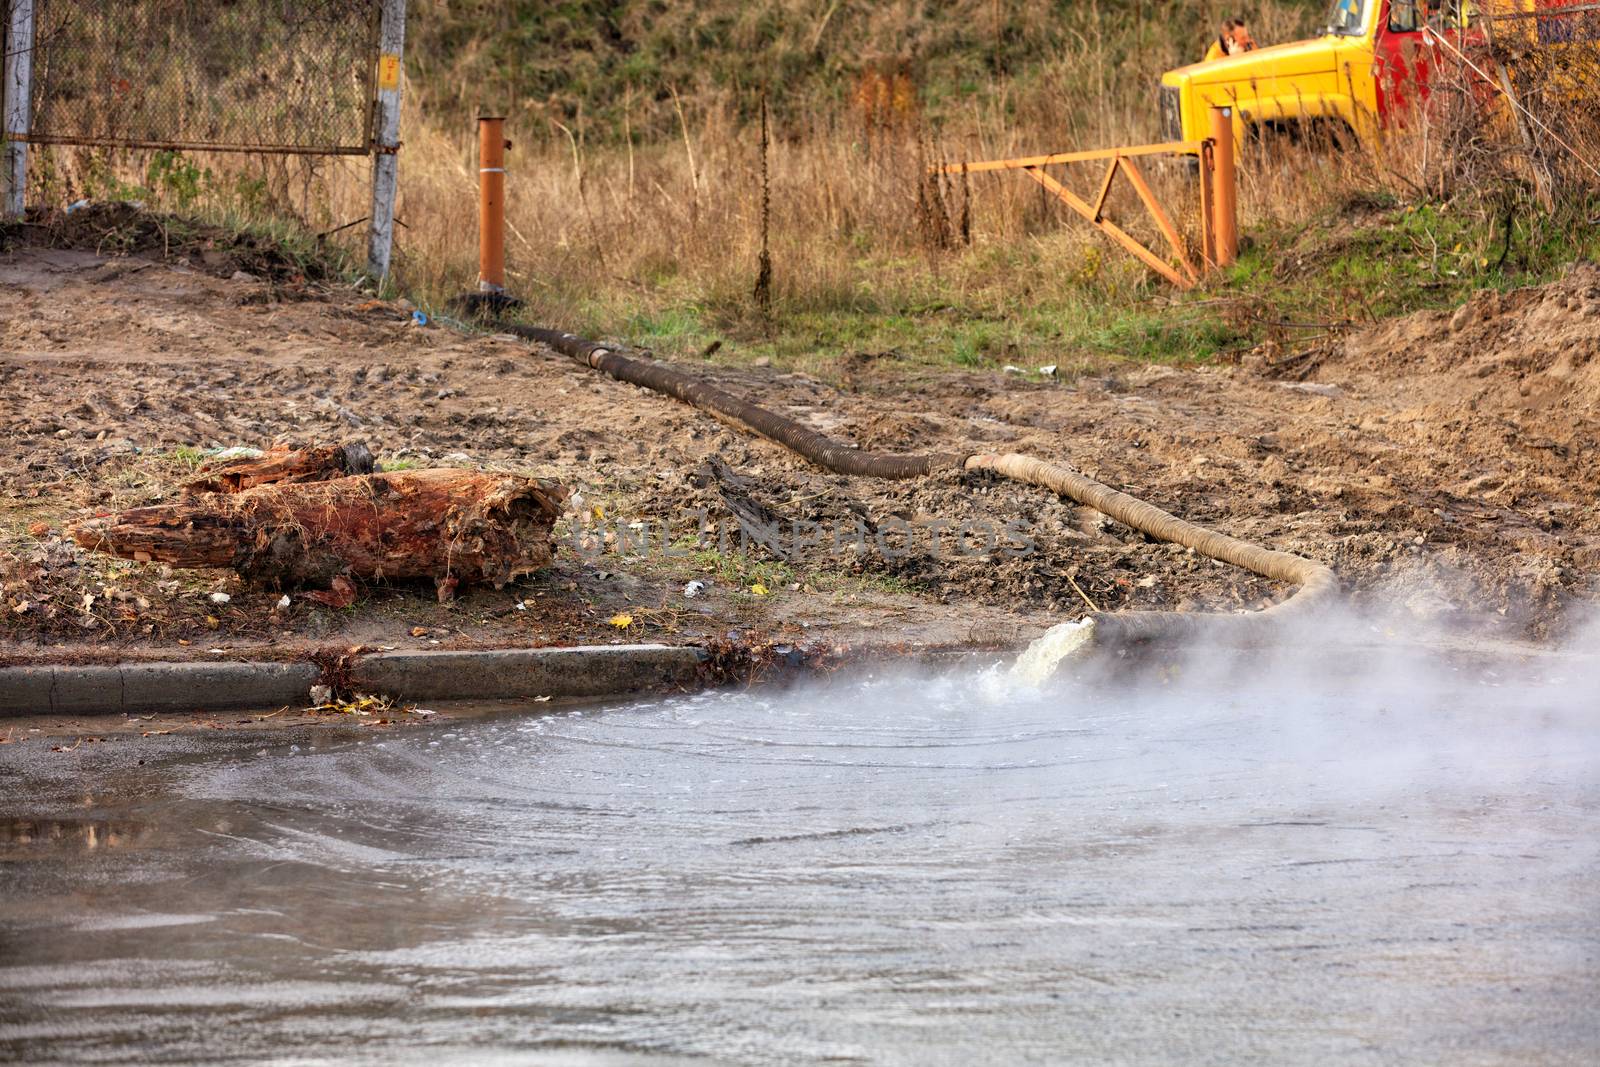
x: 185, y: 455
x: 1028, y: 306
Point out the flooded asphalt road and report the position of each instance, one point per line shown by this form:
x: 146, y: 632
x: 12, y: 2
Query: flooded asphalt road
x: 1314, y: 871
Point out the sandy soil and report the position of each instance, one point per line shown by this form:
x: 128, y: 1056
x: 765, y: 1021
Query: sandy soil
x: 1441, y: 462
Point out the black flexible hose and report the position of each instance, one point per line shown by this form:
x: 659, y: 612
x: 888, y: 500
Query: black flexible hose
x: 663, y: 378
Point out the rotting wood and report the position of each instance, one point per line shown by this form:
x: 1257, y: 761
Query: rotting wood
x: 318, y: 464
x: 457, y: 527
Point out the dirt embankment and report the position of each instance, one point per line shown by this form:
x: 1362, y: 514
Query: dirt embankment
x: 1441, y: 461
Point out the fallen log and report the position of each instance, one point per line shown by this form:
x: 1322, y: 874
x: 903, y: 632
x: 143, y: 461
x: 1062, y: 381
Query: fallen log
x: 317, y: 464
x: 454, y: 526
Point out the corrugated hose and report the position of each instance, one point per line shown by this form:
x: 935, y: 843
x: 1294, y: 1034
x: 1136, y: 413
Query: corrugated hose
x: 1317, y: 584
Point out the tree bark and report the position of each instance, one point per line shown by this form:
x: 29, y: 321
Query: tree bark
x: 282, y: 465
x: 454, y: 526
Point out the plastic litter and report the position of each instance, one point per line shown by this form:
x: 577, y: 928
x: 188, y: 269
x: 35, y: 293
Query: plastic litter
x: 236, y: 452
x: 79, y: 205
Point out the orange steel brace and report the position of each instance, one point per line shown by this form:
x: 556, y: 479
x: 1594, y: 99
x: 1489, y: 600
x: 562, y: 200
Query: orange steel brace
x: 1123, y: 159
x: 1166, y: 148
x: 1105, y: 189
x: 1116, y: 233
x: 1159, y: 213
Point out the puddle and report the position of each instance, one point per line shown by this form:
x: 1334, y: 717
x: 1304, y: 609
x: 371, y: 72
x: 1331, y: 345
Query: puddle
x: 68, y: 834
x: 885, y: 870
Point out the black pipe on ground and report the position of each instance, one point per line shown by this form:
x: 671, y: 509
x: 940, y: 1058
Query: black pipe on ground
x: 1317, y: 583
x: 662, y: 378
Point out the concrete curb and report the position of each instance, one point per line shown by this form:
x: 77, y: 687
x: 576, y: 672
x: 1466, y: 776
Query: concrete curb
x: 153, y: 687
x: 584, y: 670
x: 581, y: 671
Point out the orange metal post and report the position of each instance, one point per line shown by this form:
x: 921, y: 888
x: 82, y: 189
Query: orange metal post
x: 1208, y: 215
x: 1224, y: 187
x: 492, y: 145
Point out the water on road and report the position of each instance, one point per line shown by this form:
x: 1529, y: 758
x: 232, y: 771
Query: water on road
x: 873, y: 869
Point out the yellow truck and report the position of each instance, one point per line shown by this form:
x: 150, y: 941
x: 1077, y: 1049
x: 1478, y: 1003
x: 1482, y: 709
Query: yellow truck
x: 1370, y: 65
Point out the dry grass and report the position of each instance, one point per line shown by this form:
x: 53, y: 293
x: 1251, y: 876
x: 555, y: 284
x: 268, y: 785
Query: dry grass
x: 649, y: 224
x: 661, y: 239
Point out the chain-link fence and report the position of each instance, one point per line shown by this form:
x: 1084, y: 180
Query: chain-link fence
x: 252, y: 75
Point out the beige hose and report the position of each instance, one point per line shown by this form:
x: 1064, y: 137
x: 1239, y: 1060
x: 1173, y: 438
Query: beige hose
x: 1317, y: 583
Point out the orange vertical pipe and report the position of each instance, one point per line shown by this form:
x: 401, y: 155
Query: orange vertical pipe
x: 492, y: 145
x: 1224, y: 187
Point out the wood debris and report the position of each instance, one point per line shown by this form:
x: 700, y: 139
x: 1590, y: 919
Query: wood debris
x: 454, y: 526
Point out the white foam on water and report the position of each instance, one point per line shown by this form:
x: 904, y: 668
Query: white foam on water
x: 1040, y: 659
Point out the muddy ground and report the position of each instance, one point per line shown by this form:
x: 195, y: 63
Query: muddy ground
x: 1442, y: 463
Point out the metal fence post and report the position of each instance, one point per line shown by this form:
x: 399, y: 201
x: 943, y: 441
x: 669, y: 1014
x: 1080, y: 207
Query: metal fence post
x: 1208, y: 210
x: 492, y: 204
x: 386, y: 137
x: 19, y: 98
x: 1224, y: 187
